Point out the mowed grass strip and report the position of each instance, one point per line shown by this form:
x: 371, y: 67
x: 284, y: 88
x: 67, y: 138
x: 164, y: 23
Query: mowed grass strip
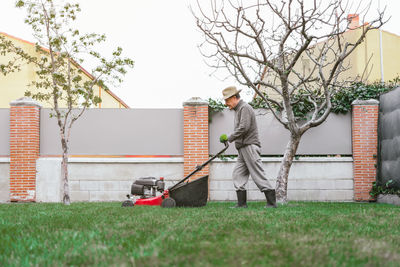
x: 104, y: 234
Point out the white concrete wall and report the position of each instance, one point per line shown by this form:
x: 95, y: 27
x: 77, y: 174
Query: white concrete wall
x: 4, y: 180
x: 311, y: 179
x: 109, y: 179
x: 101, y: 179
x: 48, y: 180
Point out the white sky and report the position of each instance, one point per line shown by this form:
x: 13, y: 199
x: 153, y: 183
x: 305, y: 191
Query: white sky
x: 162, y: 38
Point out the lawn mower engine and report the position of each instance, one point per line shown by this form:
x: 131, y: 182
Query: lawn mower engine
x: 144, y: 190
x: 147, y: 187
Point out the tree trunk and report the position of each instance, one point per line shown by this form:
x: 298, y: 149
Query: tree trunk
x: 64, y: 174
x: 282, y: 179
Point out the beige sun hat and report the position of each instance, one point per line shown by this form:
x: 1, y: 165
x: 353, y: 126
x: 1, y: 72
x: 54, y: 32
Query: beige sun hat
x: 230, y: 91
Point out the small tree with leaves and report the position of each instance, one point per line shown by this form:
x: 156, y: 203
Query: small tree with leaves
x: 261, y: 43
x: 60, y: 48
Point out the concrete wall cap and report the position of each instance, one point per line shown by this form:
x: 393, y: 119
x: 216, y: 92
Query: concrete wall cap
x: 115, y: 160
x: 301, y: 159
x: 195, y: 101
x: 25, y: 101
x: 371, y: 102
x: 4, y: 160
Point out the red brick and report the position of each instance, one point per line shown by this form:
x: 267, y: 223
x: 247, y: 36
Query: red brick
x: 24, y: 151
x: 364, y: 133
x: 195, y: 139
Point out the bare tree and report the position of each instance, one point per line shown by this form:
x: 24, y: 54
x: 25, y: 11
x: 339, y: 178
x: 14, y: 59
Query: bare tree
x: 264, y: 44
x: 60, y: 80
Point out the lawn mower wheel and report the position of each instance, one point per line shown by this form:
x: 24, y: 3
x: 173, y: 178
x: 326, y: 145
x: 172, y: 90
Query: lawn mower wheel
x: 127, y: 203
x: 168, y: 203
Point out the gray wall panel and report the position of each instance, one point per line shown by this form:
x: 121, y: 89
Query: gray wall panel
x: 160, y: 132
x: 332, y: 137
x: 117, y: 132
x: 4, y: 131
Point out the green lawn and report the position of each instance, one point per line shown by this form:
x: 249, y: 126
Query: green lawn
x: 104, y: 234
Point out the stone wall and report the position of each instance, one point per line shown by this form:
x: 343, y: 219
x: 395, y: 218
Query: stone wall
x: 310, y: 179
x: 109, y: 179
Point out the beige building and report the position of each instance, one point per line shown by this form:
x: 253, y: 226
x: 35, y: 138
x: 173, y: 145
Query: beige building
x: 14, y: 85
x: 375, y: 59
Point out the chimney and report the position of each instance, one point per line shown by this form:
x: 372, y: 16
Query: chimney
x: 353, y: 21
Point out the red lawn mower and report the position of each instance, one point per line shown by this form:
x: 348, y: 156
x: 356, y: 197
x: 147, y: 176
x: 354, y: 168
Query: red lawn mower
x: 182, y: 194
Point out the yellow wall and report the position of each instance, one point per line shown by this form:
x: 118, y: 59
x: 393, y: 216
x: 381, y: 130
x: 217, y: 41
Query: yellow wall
x: 14, y: 85
x: 109, y: 101
x: 391, y: 55
x: 366, y: 57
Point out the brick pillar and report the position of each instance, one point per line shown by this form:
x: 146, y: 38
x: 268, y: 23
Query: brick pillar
x: 24, y: 148
x: 195, y: 135
x: 365, y: 146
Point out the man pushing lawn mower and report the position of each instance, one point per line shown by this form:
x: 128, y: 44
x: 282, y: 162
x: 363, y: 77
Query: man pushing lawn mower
x: 182, y: 194
x: 246, y: 140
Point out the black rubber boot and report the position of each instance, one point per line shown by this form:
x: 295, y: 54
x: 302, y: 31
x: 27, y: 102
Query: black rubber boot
x: 242, y: 199
x: 271, y: 198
